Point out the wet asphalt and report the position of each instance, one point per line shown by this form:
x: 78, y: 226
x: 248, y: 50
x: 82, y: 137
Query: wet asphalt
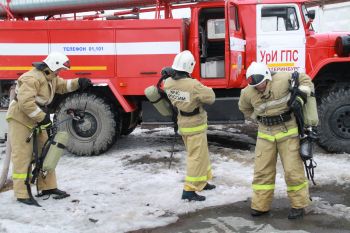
x: 236, y: 217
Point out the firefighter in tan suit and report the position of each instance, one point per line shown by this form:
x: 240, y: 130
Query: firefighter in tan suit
x: 188, y: 95
x: 35, y: 89
x: 265, y: 100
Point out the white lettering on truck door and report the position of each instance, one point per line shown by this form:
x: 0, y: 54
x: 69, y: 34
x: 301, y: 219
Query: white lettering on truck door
x: 280, y: 37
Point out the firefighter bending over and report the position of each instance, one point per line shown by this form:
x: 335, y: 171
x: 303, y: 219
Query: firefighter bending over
x: 188, y: 95
x: 34, y: 91
x: 265, y: 99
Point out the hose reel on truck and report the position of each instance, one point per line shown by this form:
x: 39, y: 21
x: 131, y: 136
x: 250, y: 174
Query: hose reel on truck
x: 32, y: 8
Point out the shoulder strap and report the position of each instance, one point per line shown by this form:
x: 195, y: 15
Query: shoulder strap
x: 295, y: 79
x: 164, y: 95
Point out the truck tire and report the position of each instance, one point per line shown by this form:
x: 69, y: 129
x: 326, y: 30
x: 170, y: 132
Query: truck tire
x: 98, y: 130
x: 334, y: 125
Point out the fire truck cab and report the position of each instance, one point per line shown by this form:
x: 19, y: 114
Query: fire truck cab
x: 123, y: 55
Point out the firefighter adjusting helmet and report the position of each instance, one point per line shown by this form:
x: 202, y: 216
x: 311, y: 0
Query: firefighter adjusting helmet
x: 184, y: 61
x: 257, y: 73
x: 56, y: 60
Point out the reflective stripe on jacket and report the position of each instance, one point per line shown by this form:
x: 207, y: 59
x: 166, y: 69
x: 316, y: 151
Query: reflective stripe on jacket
x: 272, y: 102
x: 186, y: 95
x: 293, y: 132
x: 34, y: 90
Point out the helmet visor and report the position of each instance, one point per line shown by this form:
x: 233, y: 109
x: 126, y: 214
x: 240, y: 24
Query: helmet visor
x: 255, y: 79
x: 67, y: 64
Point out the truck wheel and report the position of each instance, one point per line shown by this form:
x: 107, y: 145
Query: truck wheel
x: 334, y: 125
x: 98, y: 129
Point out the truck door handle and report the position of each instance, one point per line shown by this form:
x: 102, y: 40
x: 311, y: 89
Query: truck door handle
x: 148, y: 72
x: 83, y: 73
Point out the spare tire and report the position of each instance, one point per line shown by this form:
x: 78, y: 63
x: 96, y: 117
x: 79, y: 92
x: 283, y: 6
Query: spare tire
x: 342, y: 46
x: 96, y: 132
x: 334, y: 125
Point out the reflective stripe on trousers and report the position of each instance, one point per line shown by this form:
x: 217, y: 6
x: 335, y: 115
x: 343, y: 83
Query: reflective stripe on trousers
x: 297, y: 187
x: 22, y: 176
x: 194, y: 129
x: 257, y: 187
x: 263, y: 186
x: 198, y: 178
x: 198, y: 168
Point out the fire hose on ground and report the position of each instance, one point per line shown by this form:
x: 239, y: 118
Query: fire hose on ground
x: 5, y: 167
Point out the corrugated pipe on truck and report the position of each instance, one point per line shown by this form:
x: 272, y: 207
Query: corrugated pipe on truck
x: 30, y: 8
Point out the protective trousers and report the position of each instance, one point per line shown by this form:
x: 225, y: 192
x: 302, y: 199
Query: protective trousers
x: 265, y: 173
x: 22, y: 155
x: 198, y: 164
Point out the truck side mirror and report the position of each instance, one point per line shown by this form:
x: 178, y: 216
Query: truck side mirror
x: 311, y: 14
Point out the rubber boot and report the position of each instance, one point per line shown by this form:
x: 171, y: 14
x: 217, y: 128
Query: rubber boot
x: 28, y: 201
x: 59, y: 194
x: 296, y: 213
x: 192, y: 196
x: 209, y: 187
x: 257, y: 213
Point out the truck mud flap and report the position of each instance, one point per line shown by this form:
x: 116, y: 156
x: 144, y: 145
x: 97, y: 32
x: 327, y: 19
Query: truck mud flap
x: 223, y: 111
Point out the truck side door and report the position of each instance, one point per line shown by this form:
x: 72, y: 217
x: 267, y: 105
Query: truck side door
x: 235, y: 46
x: 280, y: 37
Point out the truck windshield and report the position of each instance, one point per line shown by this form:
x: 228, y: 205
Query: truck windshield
x: 279, y: 18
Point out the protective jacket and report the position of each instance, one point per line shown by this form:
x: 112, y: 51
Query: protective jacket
x: 187, y: 95
x: 35, y: 89
x: 273, y: 102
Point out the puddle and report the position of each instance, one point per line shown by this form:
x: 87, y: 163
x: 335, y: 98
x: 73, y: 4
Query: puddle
x: 236, y: 217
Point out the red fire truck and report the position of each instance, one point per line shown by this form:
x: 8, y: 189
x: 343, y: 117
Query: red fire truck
x: 123, y: 55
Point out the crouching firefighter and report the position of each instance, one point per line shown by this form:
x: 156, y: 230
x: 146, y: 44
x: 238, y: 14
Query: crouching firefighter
x: 265, y: 100
x: 35, y: 89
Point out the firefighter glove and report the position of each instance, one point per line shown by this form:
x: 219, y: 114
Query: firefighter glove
x: 46, y: 122
x: 84, y: 83
x: 167, y: 72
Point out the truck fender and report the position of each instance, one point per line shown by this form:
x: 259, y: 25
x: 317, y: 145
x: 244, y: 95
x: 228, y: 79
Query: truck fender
x: 126, y: 104
x: 323, y: 63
